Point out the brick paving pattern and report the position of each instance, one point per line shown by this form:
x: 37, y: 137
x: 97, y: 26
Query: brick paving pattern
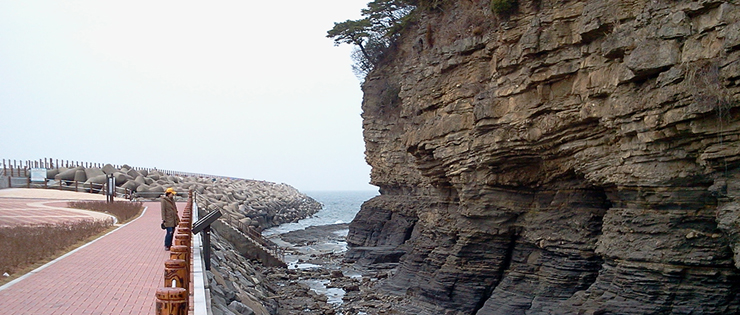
x: 117, y: 274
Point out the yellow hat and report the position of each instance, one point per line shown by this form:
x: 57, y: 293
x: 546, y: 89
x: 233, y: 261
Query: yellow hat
x: 171, y: 191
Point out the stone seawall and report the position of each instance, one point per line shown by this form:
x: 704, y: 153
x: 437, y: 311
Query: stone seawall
x: 255, y: 203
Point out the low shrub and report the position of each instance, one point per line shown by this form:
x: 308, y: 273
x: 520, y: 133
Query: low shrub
x: 123, y: 210
x: 502, y: 6
x: 24, y: 245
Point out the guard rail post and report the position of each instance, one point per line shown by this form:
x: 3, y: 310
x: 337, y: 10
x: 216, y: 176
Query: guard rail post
x: 182, y: 239
x: 174, y: 298
x: 182, y: 236
x: 180, y: 252
x: 171, y: 301
x: 176, y: 274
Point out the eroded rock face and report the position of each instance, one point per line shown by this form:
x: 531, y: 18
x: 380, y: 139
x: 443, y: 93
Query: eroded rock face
x: 575, y: 157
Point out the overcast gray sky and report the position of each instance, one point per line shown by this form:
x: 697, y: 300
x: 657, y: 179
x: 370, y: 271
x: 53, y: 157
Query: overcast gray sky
x: 249, y: 89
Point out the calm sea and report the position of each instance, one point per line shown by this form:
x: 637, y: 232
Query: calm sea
x: 339, y: 207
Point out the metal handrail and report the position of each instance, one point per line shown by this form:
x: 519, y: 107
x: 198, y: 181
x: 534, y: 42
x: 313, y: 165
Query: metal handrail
x: 21, y: 166
x: 256, y: 236
x: 69, y: 185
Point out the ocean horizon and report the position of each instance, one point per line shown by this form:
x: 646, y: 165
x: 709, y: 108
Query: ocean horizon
x: 338, y: 206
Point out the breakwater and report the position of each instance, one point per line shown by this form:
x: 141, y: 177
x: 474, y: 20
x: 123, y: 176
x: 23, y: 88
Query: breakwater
x: 256, y: 203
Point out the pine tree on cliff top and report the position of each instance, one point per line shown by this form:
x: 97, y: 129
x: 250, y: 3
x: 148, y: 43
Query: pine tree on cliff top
x: 373, y: 34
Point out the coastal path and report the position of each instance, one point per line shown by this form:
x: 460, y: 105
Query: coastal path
x: 118, y: 273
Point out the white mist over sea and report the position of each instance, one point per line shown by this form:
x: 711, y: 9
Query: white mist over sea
x: 338, y: 207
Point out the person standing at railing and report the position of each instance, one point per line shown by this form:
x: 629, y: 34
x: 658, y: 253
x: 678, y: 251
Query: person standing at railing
x: 170, y: 218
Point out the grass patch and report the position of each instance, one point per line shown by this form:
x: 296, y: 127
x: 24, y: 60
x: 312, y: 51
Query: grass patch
x: 25, y: 247
x: 123, y: 210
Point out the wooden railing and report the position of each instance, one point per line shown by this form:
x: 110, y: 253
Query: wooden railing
x: 256, y: 236
x: 68, y: 185
x: 21, y: 168
x: 175, y: 297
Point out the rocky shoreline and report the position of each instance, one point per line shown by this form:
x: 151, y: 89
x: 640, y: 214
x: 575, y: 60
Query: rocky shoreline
x: 317, y: 281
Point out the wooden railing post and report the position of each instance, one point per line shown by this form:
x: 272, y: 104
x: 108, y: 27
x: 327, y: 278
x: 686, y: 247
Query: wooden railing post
x: 176, y: 273
x: 172, y: 301
x: 174, y: 298
x: 180, y: 252
x: 182, y: 237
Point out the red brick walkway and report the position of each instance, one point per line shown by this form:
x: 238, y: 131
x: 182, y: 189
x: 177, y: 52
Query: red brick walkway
x: 117, y: 274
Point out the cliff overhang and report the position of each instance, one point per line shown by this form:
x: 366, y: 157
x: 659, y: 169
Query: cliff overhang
x: 573, y: 157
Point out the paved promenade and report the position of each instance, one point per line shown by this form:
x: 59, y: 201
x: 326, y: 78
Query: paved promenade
x: 116, y: 274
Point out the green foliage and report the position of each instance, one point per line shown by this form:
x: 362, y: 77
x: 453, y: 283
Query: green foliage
x: 366, y: 57
x: 372, y: 35
x: 390, y: 95
x: 503, y: 6
x: 350, y: 32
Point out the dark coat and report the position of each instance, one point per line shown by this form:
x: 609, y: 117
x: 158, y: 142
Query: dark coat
x: 169, y: 212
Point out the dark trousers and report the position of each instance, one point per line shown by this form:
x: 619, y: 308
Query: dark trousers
x: 168, y: 236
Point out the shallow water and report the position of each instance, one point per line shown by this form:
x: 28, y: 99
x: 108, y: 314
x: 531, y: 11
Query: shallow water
x: 338, y: 207
x: 334, y: 295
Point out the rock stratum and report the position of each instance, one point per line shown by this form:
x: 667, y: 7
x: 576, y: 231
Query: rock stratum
x: 572, y: 157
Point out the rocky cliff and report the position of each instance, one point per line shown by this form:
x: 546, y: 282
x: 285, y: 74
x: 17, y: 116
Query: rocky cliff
x: 568, y: 157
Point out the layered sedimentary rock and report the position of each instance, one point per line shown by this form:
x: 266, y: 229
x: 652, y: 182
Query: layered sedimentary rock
x: 571, y: 157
